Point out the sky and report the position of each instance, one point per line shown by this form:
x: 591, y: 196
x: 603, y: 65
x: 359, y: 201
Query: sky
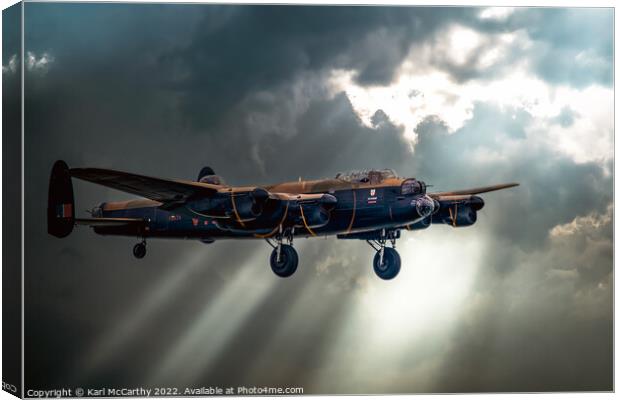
x: 457, y: 97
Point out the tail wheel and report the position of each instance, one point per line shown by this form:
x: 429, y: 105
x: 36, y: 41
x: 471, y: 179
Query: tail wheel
x: 287, y: 264
x: 139, y: 250
x: 389, y: 267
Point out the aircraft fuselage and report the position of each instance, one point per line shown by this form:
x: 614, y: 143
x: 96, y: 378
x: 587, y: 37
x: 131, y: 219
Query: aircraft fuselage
x: 371, y: 207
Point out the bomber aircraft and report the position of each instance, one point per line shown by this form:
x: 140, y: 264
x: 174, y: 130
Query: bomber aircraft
x: 371, y: 205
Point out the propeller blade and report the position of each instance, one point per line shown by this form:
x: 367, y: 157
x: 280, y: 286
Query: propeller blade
x: 453, y: 216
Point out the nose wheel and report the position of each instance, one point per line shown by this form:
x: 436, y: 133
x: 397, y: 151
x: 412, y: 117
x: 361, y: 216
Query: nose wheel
x: 139, y: 250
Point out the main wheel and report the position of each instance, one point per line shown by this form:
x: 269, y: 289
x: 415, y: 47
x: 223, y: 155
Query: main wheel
x: 390, y: 266
x: 288, y: 261
x: 139, y: 250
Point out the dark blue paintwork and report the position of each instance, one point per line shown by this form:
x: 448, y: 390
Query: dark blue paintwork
x: 390, y: 210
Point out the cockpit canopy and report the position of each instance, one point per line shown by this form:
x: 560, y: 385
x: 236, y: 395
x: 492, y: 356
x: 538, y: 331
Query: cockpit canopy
x: 373, y: 176
x: 412, y: 187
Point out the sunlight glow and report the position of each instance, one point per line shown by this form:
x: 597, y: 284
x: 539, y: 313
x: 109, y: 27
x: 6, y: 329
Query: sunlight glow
x: 129, y: 325
x: 437, y: 270
x: 421, y: 90
x: 399, y: 321
x: 206, y: 338
x: 463, y: 42
x: 496, y: 13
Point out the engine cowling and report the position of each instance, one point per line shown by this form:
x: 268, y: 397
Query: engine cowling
x: 421, y: 224
x: 313, y: 216
x: 244, y: 206
x: 456, y: 215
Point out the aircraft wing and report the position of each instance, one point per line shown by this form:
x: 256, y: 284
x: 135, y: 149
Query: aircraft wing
x: 453, y: 194
x: 166, y: 191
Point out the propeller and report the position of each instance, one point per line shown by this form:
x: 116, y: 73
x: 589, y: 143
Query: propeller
x: 453, y: 215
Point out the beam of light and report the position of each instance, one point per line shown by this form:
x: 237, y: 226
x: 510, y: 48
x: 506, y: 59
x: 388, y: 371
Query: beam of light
x: 118, y: 336
x: 408, y: 320
x: 302, y: 317
x: 204, y: 340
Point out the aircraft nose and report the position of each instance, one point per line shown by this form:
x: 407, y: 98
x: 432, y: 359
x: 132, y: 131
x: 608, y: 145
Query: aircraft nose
x: 425, y: 206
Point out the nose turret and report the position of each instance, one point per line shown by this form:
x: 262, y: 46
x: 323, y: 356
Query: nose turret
x: 425, y: 206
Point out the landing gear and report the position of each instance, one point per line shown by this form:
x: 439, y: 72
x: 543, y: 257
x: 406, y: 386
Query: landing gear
x: 286, y: 264
x: 388, y: 266
x: 387, y: 260
x: 284, y: 258
x: 139, y: 250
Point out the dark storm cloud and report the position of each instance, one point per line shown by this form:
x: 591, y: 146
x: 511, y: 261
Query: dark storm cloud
x: 332, y: 138
x: 262, y: 46
x: 571, y: 46
x: 163, y: 90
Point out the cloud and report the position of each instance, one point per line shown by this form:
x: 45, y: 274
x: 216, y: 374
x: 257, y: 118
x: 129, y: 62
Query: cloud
x: 38, y: 64
x: 272, y: 45
x: 580, y: 224
x: 420, y: 90
x: 577, y: 40
x: 498, y: 13
x: 11, y: 66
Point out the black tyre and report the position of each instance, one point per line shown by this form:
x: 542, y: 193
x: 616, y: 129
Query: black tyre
x: 288, y: 261
x: 139, y: 250
x: 390, y: 266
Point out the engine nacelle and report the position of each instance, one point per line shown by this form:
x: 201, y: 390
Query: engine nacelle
x: 244, y: 206
x: 459, y: 215
x: 314, y: 216
x: 422, y: 224
x: 256, y: 212
x: 251, y: 205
